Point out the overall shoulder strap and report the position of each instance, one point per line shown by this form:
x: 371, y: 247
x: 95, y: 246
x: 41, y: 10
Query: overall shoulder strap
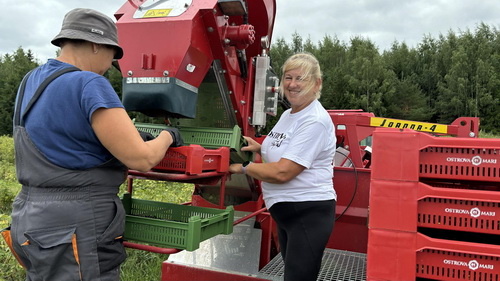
x: 20, y: 96
x: 19, y: 119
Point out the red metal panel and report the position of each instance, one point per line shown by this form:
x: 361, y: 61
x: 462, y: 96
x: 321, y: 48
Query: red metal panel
x: 178, y: 272
x: 351, y: 128
x: 464, y: 127
x: 350, y: 232
x: 175, y: 41
x: 261, y: 15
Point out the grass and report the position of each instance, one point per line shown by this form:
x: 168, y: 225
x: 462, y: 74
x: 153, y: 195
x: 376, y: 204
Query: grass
x: 483, y: 134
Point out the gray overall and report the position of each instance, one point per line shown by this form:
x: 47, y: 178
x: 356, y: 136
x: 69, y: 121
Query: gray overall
x: 66, y: 224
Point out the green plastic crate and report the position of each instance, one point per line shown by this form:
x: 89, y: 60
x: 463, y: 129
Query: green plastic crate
x: 172, y: 225
x: 210, y: 138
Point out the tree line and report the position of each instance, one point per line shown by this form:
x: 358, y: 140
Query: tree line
x: 454, y: 75
x: 440, y: 79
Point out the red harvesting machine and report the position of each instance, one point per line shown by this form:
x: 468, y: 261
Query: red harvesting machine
x: 412, y: 204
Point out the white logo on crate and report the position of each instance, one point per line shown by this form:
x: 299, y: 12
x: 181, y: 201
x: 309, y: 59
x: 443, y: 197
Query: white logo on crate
x: 476, y: 160
x: 474, y: 212
x: 472, y: 265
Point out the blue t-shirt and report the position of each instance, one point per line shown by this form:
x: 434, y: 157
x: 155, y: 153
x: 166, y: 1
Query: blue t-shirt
x: 59, y: 123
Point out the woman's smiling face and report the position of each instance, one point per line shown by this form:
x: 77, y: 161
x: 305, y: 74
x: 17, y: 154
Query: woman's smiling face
x: 298, y: 89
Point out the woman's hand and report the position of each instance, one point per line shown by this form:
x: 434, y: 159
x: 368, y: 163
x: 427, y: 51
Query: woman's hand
x: 236, y: 169
x: 253, y: 145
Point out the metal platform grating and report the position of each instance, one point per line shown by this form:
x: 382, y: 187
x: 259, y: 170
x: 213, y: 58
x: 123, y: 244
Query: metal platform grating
x: 337, y: 265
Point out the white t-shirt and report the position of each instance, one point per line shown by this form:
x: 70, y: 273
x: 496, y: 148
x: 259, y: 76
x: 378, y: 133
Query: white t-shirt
x: 308, y: 139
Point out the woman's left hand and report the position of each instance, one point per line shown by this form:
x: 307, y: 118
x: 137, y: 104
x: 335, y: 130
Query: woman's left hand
x: 236, y: 169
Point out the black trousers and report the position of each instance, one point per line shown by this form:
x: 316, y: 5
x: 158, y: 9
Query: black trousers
x: 303, y: 231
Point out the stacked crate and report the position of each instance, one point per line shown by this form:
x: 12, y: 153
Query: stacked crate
x: 434, y: 207
x: 203, y: 159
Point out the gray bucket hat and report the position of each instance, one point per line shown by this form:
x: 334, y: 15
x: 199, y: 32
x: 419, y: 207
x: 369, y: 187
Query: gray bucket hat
x: 89, y: 25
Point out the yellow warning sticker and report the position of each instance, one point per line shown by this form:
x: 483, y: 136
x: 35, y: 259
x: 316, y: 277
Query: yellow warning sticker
x: 403, y: 124
x: 157, y: 13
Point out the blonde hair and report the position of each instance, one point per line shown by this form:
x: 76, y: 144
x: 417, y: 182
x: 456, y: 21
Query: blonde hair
x: 310, y: 68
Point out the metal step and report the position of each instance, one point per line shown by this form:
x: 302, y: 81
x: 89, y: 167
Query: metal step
x: 337, y: 265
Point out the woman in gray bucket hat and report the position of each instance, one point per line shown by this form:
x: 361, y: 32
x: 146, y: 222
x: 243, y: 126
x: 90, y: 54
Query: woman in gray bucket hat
x: 74, y: 142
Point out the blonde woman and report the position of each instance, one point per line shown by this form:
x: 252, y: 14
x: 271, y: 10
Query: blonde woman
x: 297, y: 171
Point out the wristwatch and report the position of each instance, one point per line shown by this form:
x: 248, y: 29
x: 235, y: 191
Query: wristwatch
x: 244, y: 166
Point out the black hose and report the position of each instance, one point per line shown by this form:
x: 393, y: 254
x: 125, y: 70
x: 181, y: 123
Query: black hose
x: 355, y: 186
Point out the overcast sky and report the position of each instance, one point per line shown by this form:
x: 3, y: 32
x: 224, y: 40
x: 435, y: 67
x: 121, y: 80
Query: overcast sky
x: 32, y: 24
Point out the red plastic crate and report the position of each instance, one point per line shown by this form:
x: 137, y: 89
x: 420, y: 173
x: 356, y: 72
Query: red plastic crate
x: 461, y: 215
x: 399, y: 255
x: 194, y: 159
x: 406, y: 205
x: 477, y: 161
x: 452, y: 265
x: 411, y: 155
